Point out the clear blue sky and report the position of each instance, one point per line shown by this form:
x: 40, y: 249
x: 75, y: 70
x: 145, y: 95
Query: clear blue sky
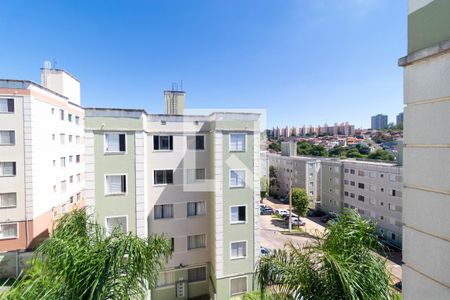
x: 305, y: 61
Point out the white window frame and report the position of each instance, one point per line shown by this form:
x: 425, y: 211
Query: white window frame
x: 17, y: 231
x: 111, y: 217
x: 159, y: 143
x: 195, y: 135
x: 13, y: 143
x: 245, y: 141
x: 246, y: 214
x: 246, y: 285
x: 164, y: 218
x: 106, y: 184
x: 14, y: 106
x: 246, y: 250
x: 194, y: 216
x: 115, y: 152
x: 10, y: 206
x: 237, y: 186
x: 163, y: 184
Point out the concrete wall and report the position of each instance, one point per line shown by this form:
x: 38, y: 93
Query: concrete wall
x: 12, y: 263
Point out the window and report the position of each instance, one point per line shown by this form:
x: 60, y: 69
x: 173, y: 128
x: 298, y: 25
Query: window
x: 163, y: 142
x: 237, y: 214
x: 77, y: 120
x: 6, y: 105
x: 62, y: 138
x: 119, y: 222
x: 196, y: 142
x: 196, y: 241
x: 361, y: 173
x: 8, y: 200
x: 395, y: 193
x: 391, y: 206
x: 78, y: 177
x: 61, y: 112
x: 360, y: 185
x: 172, y: 244
x: 237, y: 178
x: 77, y: 139
x: 71, y: 199
x: 352, y: 171
x: 163, y: 177
x: 70, y: 138
x: 69, y: 117
x: 381, y: 175
x: 53, y: 111
x: 352, y: 183
x: 78, y: 158
x: 115, y: 184
x: 237, y: 141
x: 63, y: 186
x: 197, y: 274
x: 238, y: 285
x: 346, y: 205
x: 64, y: 208
x: 53, y: 137
x: 7, y: 137
x: 345, y: 170
x: 7, y: 168
x: 196, y: 208
x: 361, y: 198
x: 115, y: 142
x: 352, y: 195
x: 63, y: 162
x: 54, y: 162
x: 166, y: 279
x: 238, y: 250
x: 195, y: 175
x: 346, y: 182
x: 393, y: 236
x: 8, y: 230
x: 70, y: 158
x: 78, y: 196
x: 164, y: 211
x: 54, y: 188
x: 346, y: 193
x: 71, y: 179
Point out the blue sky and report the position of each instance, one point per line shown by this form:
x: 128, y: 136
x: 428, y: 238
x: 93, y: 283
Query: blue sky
x: 305, y: 61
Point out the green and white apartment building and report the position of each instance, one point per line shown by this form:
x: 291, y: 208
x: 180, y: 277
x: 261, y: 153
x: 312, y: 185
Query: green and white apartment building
x: 426, y: 209
x: 193, y: 178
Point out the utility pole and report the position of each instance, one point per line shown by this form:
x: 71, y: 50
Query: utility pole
x: 290, y: 202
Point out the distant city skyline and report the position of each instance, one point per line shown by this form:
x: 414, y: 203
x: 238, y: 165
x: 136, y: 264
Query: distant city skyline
x: 306, y: 62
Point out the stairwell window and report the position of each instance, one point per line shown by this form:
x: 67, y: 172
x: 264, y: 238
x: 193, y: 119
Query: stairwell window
x: 238, y: 249
x: 77, y: 120
x: 237, y: 142
x: 115, y: 143
x: 195, y: 142
x: 61, y: 113
x: 163, y: 177
x: 8, y: 230
x: 197, y: 274
x: 115, y: 184
x: 237, y: 178
x: 164, y: 211
x: 6, y: 105
x: 119, y: 222
x: 7, y: 169
x: 238, y: 214
x: 69, y: 117
x: 196, y: 208
x: 196, y: 241
x: 7, y: 137
x: 238, y: 286
x: 8, y: 200
x: 162, y: 142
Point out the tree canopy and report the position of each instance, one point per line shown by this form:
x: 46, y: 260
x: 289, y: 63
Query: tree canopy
x: 300, y: 201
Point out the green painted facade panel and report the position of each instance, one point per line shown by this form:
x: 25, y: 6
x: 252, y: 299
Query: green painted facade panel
x: 429, y: 25
x: 224, y: 289
x: 115, y: 205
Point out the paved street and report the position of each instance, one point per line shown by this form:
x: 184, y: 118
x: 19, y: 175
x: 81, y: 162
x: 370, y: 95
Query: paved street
x: 272, y: 238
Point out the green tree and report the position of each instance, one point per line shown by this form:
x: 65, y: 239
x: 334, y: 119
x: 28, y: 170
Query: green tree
x: 363, y: 149
x: 353, y: 152
x: 319, y: 150
x: 79, y: 261
x: 275, y: 146
x: 304, y: 148
x: 300, y: 201
x: 274, y: 184
x: 338, y: 265
x: 381, y: 154
x: 337, y: 151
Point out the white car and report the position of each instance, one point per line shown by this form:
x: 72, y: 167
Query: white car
x: 282, y: 212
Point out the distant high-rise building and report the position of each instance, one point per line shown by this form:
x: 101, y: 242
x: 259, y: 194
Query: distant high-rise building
x: 426, y: 229
x: 379, y: 121
x: 174, y: 102
x: 400, y: 119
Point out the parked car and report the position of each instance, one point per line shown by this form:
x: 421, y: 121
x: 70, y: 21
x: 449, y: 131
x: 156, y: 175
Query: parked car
x: 267, y: 210
x: 282, y: 212
x: 327, y: 218
x: 297, y: 222
x: 315, y: 213
x: 265, y: 251
x: 286, y: 217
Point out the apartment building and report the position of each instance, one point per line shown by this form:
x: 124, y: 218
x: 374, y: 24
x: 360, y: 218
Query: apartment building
x: 193, y: 178
x: 332, y: 187
x: 41, y: 156
x: 304, y: 172
x: 374, y: 189
x: 426, y: 230
x: 379, y: 121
